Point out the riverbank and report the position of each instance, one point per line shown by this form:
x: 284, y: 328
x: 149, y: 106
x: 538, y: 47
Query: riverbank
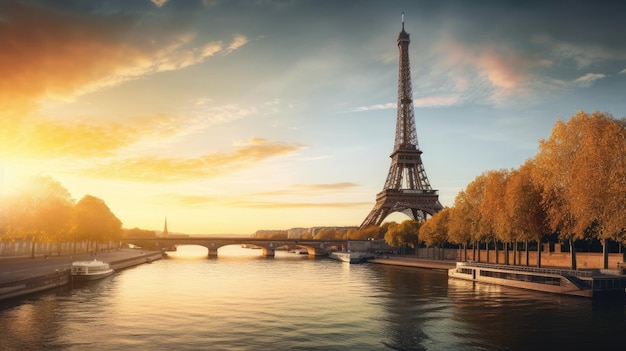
x: 414, y: 262
x: 24, y: 276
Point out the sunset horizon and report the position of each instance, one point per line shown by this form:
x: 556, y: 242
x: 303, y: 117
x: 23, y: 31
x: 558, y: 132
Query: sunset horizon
x: 232, y: 117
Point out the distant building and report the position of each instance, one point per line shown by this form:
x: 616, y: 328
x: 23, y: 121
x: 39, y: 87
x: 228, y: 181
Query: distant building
x: 297, y: 233
x: 268, y: 233
x: 316, y: 230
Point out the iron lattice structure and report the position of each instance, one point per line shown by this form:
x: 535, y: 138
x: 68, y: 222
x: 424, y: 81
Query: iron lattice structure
x: 407, y: 188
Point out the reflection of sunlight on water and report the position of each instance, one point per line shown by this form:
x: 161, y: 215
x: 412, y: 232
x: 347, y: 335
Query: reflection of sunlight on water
x: 197, y: 251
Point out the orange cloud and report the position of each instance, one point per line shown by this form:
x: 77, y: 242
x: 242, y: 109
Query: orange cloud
x: 316, y: 189
x: 156, y: 169
x: 47, y: 139
x: 186, y: 200
x: 508, y: 71
x: 333, y: 186
x: 55, y: 54
x: 199, y: 201
x: 291, y: 205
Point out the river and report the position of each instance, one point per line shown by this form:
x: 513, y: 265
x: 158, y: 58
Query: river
x: 241, y: 301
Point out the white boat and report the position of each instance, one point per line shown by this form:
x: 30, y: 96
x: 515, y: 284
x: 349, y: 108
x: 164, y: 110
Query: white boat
x: 350, y: 257
x: 90, y: 270
x: 587, y: 283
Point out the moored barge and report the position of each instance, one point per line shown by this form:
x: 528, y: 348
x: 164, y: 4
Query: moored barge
x: 586, y: 283
x: 90, y: 270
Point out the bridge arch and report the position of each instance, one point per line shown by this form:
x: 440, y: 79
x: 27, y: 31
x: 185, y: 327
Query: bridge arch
x: 268, y: 246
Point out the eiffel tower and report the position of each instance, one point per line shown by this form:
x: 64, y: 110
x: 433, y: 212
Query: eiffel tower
x: 406, y: 189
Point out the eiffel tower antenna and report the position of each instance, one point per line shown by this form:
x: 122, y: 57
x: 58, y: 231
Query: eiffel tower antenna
x: 406, y: 189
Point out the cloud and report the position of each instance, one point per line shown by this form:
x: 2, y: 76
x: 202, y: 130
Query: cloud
x: 387, y: 106
x: 588, y: 79
x: 40, y: 139
x: 159, y: 169
x: 238, y: 41
x: 432, y: 101
x: 436, y: 101
x: 332, y: 186
x: 159, y: 3
x: 200, y: 201
x: 585, y: 55
x: 187, y: 200
x: 315, y: 189
x: 296, y: 189
x: 623, y: 71
x: 292, y: 205
x: 63, y: 55
x: 507, y: 70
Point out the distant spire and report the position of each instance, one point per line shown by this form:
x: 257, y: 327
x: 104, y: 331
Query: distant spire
x: 165, y: 228
x: 403, y: 21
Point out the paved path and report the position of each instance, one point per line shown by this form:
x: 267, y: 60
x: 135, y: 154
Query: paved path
x: 12, y: 269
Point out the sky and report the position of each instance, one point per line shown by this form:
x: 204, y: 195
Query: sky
x: 228, y: 116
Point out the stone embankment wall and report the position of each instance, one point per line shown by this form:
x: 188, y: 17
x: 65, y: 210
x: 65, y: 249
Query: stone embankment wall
x: 25, y: 248
x: 34, y: 284
x: 61, y: 277
x: 584, y: 260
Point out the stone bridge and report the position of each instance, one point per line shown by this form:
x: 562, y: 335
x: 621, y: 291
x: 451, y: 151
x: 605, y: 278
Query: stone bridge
x: 213, y: 243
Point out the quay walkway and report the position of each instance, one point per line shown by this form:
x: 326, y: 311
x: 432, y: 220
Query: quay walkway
x: 24, y: 275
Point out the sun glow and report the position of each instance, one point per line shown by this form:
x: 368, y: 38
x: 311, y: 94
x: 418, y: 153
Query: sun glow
x: 11, y: 179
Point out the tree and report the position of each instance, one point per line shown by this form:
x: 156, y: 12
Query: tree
x: 403, y: 234
x: 581, y: 171
x: 392, y: 236
x: 554, y: 172
x: 465, y: 219
x: 369, y: 232
x: 599, y: 180
x: 410, y: 232
x: 138, y: 233
x: 494, y: 221
x: 94, y: 221
x: 525, y: 213
x: 459, y: 231
x: 328, y: 233
x: 41, y: 210
x: 434, y: 231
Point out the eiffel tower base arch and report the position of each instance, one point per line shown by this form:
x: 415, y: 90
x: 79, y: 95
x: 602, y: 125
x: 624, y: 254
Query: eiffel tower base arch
x: 417, y: 204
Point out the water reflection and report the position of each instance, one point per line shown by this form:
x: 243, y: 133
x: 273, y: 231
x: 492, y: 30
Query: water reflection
x: 241, y: 301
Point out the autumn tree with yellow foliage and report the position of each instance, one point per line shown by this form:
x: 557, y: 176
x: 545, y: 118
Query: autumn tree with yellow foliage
x: 42, y: 210
x: 576, y: 184
x: 582, y: 171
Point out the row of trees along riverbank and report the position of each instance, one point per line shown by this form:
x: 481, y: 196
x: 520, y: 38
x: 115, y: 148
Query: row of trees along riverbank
x: 573, y: 189
x: 42, y: 211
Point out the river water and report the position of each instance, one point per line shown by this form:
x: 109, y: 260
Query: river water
x: 241, y: 301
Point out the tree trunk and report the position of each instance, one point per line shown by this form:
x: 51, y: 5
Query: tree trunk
x: 605, y: 253
x: 506, y: 253
x: 465, y: 250
x: 487, y: 251
x: 474, y: 252
x: 572, y: 251
x: 495, y: 248
x: 527, y: 252
x: 539, y: 249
